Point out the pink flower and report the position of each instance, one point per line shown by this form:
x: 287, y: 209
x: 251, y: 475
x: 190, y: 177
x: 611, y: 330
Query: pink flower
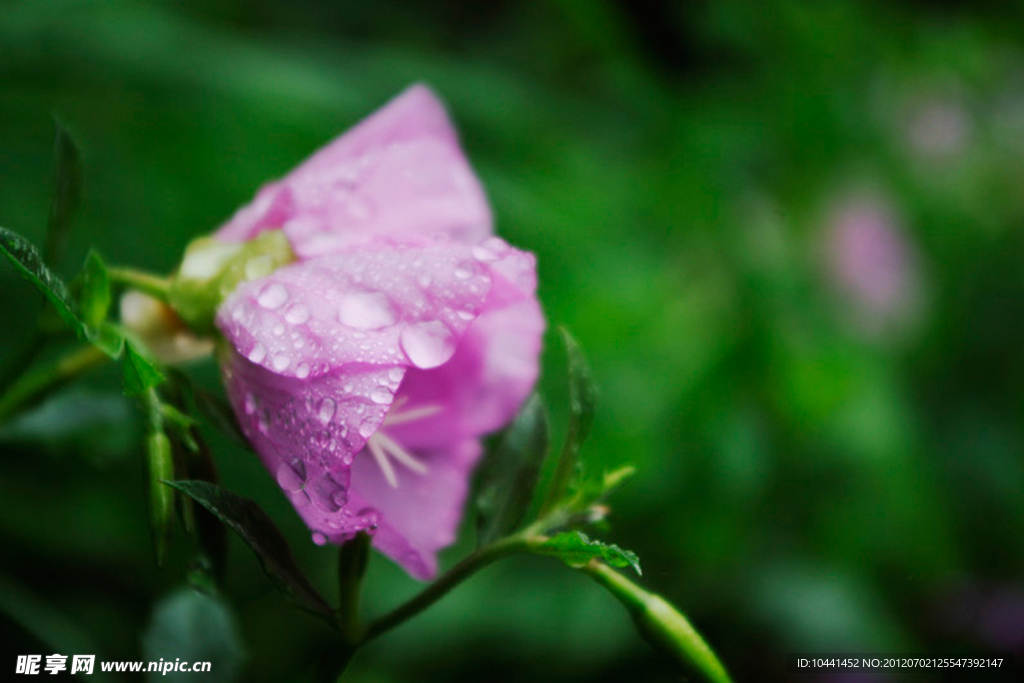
x: 365, y: 373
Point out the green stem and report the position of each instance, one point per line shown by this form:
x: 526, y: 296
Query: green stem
x: 154, y: 285
x: 447, y: 581
x: 661, y: 624
x: 36, y: 384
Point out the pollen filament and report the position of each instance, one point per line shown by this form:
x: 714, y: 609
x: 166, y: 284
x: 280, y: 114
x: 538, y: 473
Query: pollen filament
x: 384, y: 448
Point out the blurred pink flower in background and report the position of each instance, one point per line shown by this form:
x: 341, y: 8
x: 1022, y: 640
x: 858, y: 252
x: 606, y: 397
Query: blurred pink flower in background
x: 365, y: 373
x: 873, y: 263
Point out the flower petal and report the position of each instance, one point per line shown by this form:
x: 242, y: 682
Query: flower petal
x: 421, y: 515
x: 493, y: 369
x: 319, y: 348
x: 307, y: 432
x: 399, y: 173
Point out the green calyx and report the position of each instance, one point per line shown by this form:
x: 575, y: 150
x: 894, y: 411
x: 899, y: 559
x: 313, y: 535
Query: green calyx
x: 212, y: 269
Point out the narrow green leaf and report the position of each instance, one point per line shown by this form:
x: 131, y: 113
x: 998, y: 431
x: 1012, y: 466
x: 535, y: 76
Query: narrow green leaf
x: 218, y: 412
x: 140, y: 373
x: 161, y: 499
x: 582, y: 399
x: 509, y: 474
x: 577, y: 549
x: 67, y: 192
x: 248, y: 520
x: 95, y: 298
x: 26, y: 260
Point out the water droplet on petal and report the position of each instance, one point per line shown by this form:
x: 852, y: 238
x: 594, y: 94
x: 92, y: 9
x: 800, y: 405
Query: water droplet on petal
x: 292, y: 476
x: 464, y: 270
x: 280, y: 362
x: 381, y: 395
x: 258, y: 353
x: 273, y: 296
x: 302, y: 372
x: 328, y: 494
x: 395, y: 374
x: 299, y: 499
x: 326, y: 410
x: 367, y: 429
x: 319, y: 538
x: 491, y: 249
x: 278, y: 330
x: 366, y: 310
x: 427, y: 344
x: 297, y: 314
x: 250, y: 403
x: 465, y: 315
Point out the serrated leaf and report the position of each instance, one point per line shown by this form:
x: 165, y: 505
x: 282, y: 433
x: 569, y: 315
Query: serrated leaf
x: 251, y: 523
x: 94, y: 301
x: 509, y: 474
x: 67, y: 192
x: 140, y: 373
x: 576, y: 549
x: 26, y: 260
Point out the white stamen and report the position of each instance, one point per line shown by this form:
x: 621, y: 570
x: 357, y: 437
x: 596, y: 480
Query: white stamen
x: 384, y: 447
x: 393, y: 448
x: 382, y: 461
x: 397, y: 418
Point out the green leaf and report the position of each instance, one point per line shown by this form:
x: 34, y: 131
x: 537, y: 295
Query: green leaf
x: 577, y: 549
x: 67, y: 192
x: 582, y: 396
x: 218, y: 412
x: 509, y: 474
x: 26, y: 260
x: 161, y: 499
x: 193, y: 626
x: 108, y: 338
x: 140, y: 373
x: 582, y: 399
x: 248, y: 520
x: 94, y: 301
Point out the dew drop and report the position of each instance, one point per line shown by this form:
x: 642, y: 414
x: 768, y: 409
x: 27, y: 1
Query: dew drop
x: 319, y: 538
x: 292, y: 476
x: 326, y: 410
x: 465, y: 315
x: 250, y: 403
x: 278, y: 330
x: 299, y: 499
x: 396, y: 374
x: 491, y: 249
x: 302, y: 371
x: 366, y: 310
x: 328, y: 494
x: 258, y: 353
x: 367, y: 429
x: 273, y: 296
x: 297, y: 314
x: 280, y: 362
x: 464, y: 270
x: 381, y: 395
x: 427, y: 344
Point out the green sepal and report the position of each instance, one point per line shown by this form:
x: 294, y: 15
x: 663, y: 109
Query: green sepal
x: 140, y: 372
x: 95, y: 297
x: 212, y: 269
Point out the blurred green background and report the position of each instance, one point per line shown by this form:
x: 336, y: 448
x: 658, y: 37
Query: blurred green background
x: 788, y: 235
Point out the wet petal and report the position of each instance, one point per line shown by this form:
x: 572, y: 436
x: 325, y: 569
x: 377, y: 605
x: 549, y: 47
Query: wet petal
x: 493, y: 369
x: 421, y: 515
x: 399, y: 173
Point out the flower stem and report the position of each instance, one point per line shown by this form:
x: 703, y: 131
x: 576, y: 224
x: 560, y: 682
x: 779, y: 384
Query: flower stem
x: 661, y: 624
x: 39, y: 382
x: 148, y: 283
x: 447, y: 581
